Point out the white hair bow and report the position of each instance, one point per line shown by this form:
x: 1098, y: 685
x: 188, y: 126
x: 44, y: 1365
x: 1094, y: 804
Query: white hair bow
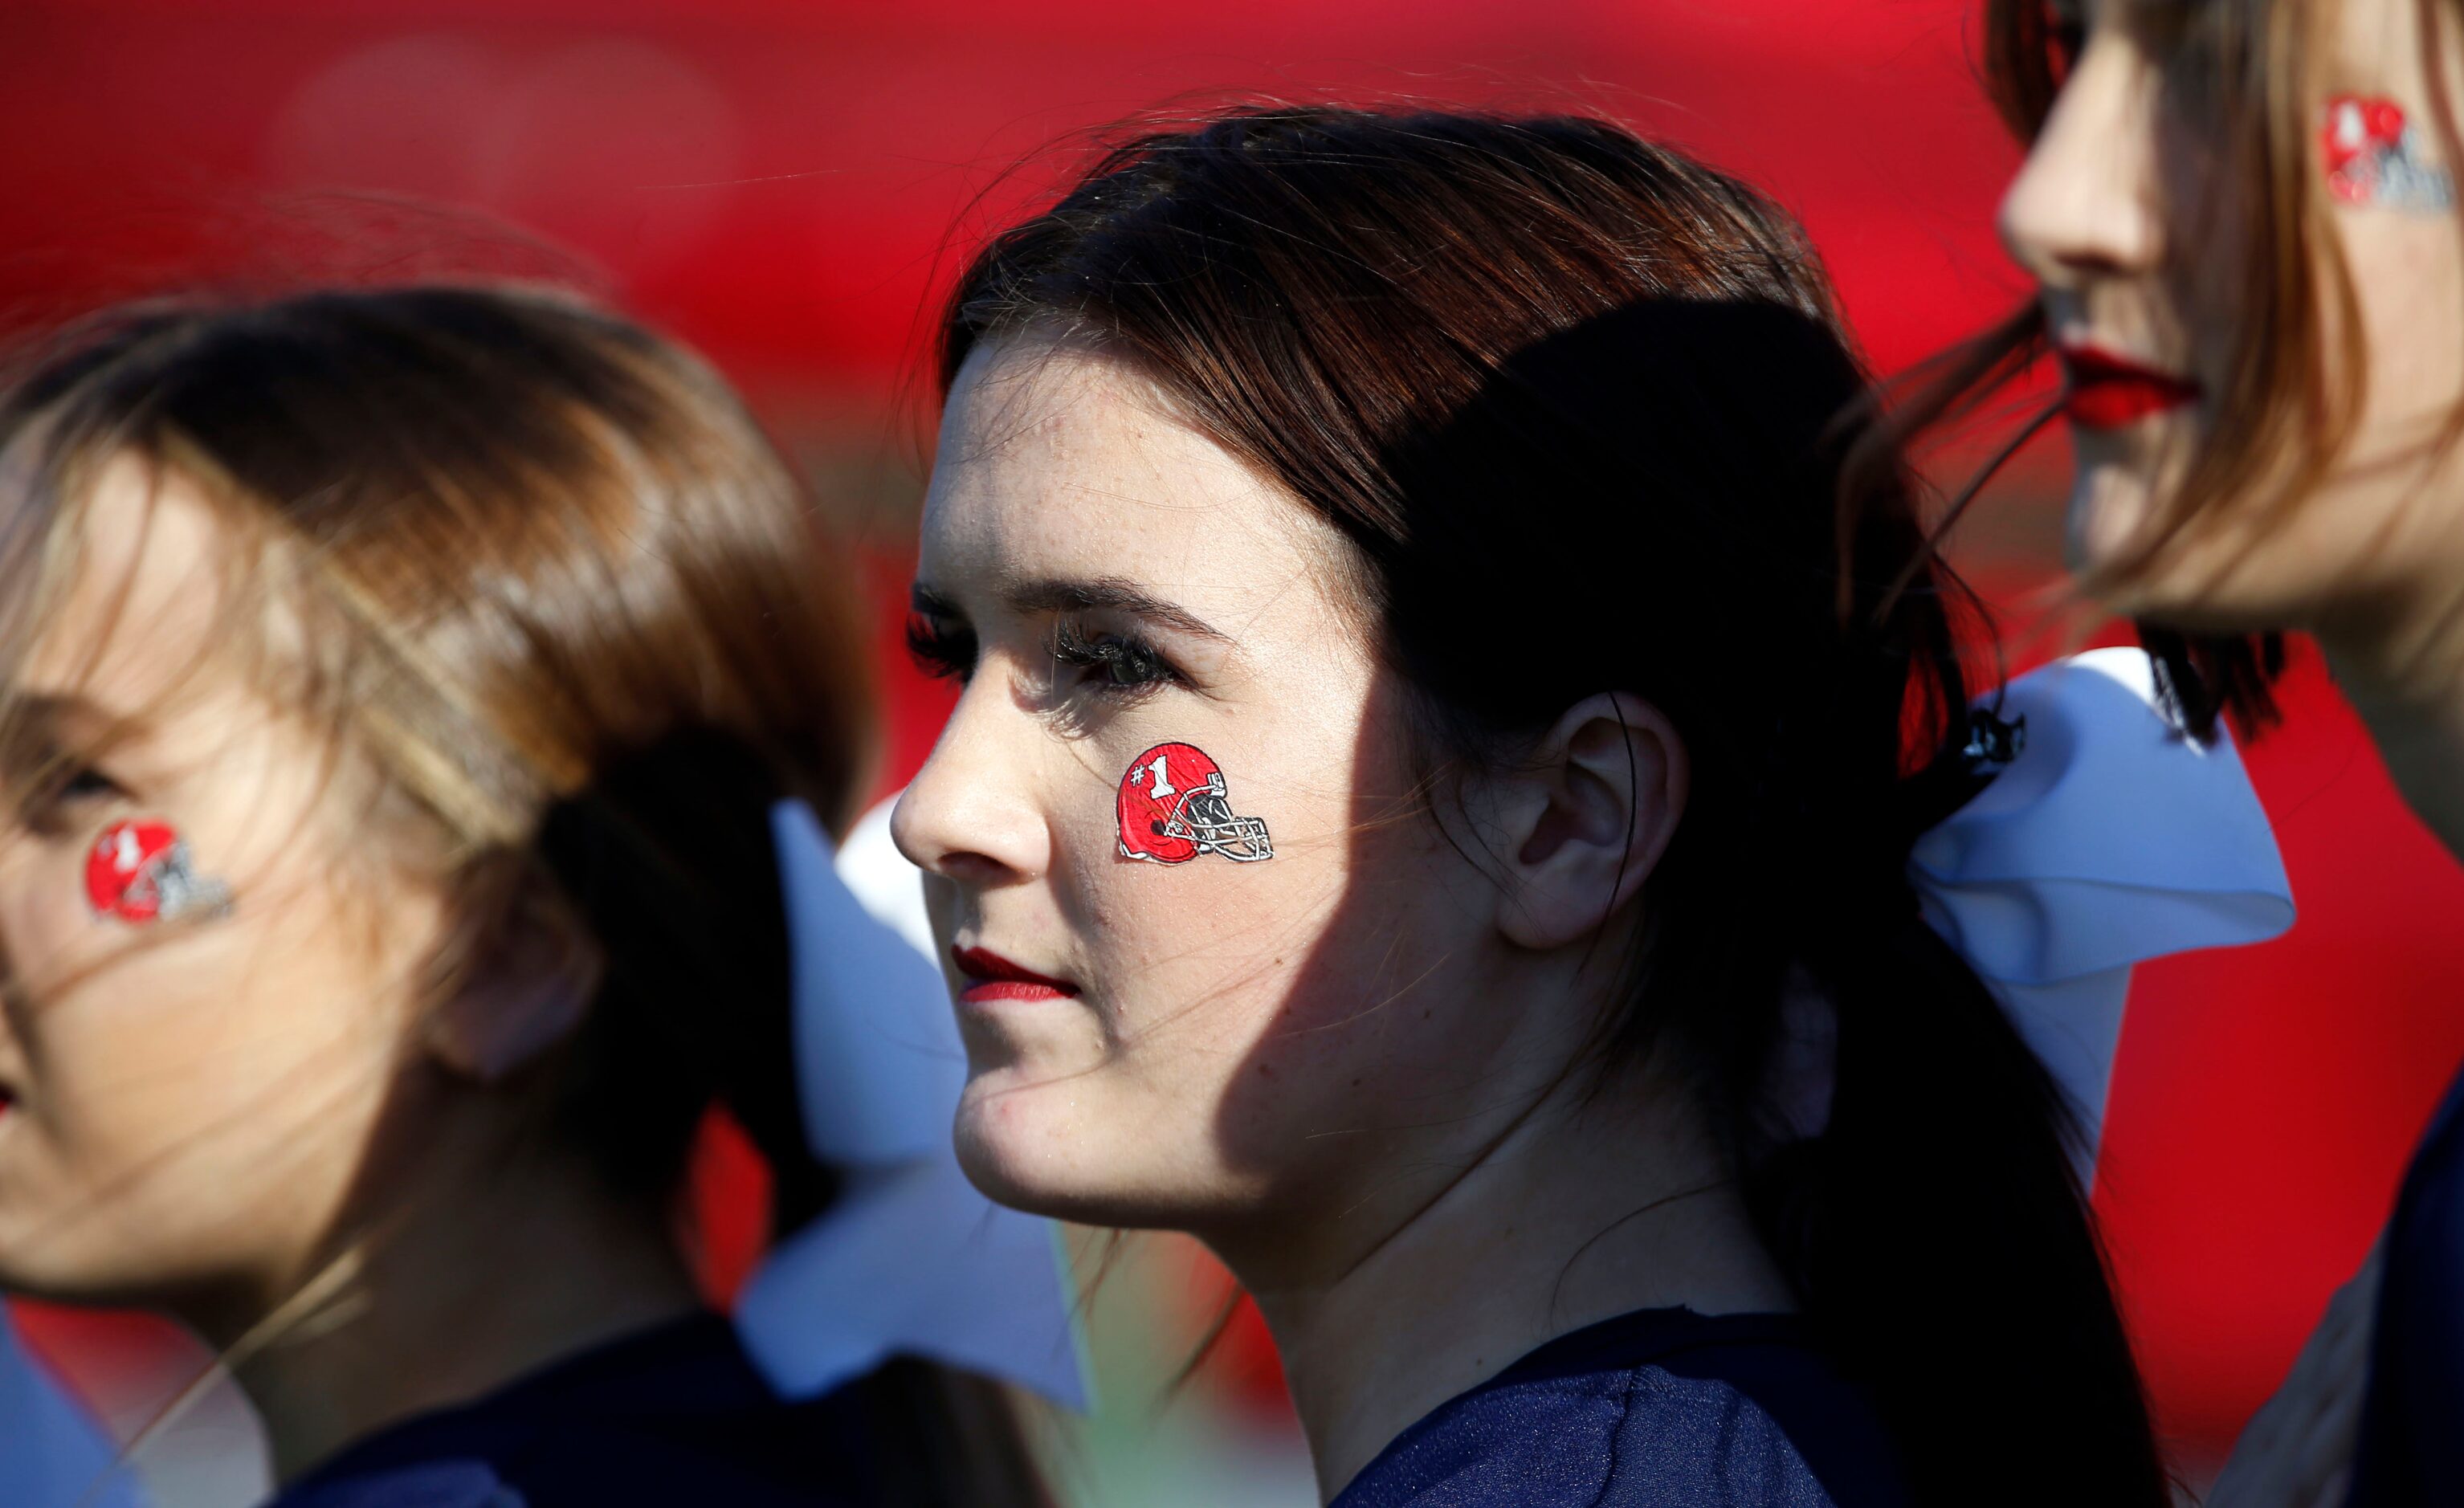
x: 2111, y: 837
x: 909, y: 1260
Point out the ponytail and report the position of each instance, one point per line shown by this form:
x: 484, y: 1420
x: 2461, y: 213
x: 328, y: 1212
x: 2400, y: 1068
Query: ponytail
x: 667, y: 861
x: 1941, y: 1245
x: 1935, y: 1227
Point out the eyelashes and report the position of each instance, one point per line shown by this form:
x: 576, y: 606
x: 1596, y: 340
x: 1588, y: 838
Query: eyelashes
x: 2067, y: 41
x: 939, y: 650
x: 84, y: 783
x: 2063, y: 32
x: 1115, y: 666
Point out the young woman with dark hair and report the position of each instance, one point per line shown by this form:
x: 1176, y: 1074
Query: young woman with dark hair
x: 1421, y: 818
x: 2244, y: 220
x: 418, y: 710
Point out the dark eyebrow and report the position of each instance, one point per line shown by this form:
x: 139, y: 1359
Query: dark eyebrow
x: 63, y: 716
x: 1111, y: 594
x: 1105, y: 593
x: 39, y: 730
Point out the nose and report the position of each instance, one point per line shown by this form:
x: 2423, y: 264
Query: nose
x: 2088, y: 203
x: 969, y: 815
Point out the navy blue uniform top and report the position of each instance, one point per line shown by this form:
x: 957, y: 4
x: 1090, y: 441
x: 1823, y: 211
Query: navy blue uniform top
x: 672, y: 1414
x: 1657, y: 1409
x: 2412, y: 1448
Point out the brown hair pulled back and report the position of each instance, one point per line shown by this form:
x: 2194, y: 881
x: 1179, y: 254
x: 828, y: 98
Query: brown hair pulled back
x: 551, y: 577
x: 1573, y: 399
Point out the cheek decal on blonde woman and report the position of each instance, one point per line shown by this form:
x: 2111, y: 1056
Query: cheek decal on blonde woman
x: 2374, y: 157
x: 140, y: 871
x: 1175, y: 806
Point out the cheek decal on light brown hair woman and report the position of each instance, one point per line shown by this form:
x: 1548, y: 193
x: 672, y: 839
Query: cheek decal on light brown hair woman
x: 2376, y: 159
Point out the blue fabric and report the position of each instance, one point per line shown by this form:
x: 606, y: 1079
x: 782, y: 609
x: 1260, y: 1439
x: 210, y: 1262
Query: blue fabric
x: 674, y: 1414
x: 1658, y: 1408
x: 2412, y: 1448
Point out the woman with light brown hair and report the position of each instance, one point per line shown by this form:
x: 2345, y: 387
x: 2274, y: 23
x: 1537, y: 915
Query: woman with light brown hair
x: 2243, y: 217
x: 419, y: 715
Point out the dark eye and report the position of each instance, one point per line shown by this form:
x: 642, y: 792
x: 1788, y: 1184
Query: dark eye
x: 940, y: 648
x: 62, y: 786
x: 85, y: 783
x: 2065, y: 35
x: 1115, y: 662
x: 2067, y: 43
x: 1133, y: 665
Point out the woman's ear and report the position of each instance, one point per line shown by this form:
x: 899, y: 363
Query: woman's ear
x: 526, y: 990
x: 1585, y: 818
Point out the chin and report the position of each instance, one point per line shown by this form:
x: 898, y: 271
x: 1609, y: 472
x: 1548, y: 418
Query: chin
x: 2109, y: 504
x: 53, y: 1272
x: 1045, y: 1148
x: 2211, y: 578
x: 2214, y: 575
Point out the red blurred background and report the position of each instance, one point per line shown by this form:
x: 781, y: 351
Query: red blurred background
x: 784, y: 183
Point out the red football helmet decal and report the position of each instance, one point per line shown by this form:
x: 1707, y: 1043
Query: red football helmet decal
x: 139, y: 871
x: 2374, y: 157
x: 1174, y: 807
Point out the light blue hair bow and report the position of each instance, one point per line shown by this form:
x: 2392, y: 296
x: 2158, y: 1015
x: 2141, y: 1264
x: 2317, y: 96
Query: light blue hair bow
x: 2111, y: 837
x: 909, y: 1260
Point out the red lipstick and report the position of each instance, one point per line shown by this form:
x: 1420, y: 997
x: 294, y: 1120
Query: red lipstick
x: 992, y: 978
x: 2107, y: 391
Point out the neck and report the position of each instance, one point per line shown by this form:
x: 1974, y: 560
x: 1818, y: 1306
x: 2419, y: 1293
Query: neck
x: 1577, y: 1210
x: 508, y: 1270
x: 2401, y: 664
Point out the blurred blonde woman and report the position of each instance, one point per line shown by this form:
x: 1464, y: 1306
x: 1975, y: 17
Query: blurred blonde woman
x: 415, y: 705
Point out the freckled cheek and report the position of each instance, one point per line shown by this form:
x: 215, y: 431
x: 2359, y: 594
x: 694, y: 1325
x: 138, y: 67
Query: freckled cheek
x: 1322, y: 1070
x: 1195, y: 952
